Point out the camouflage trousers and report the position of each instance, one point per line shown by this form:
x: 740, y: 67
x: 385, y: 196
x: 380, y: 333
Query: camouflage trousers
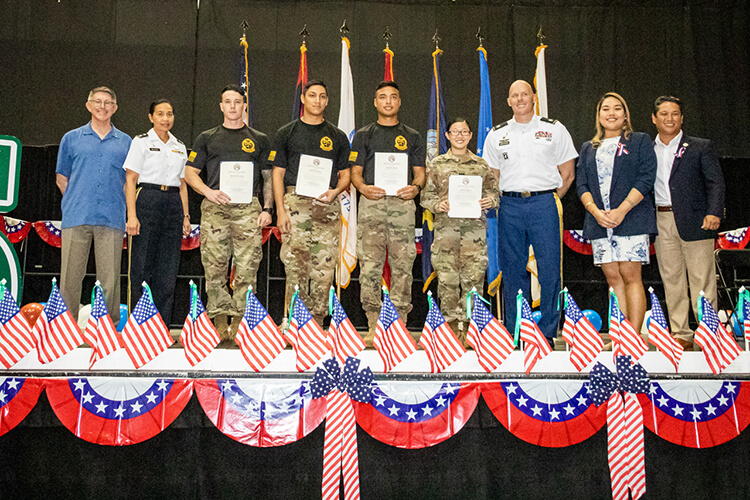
x: 229, y: 231
x: 459, y: 255
x: 386, y: 225
x: 310, y: 251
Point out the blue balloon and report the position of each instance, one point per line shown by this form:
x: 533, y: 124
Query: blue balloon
x: 537, y: 315
x: 594, y: 318
x: 123, y: 317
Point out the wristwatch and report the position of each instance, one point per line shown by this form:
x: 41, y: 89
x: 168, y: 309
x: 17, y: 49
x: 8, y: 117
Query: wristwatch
x: 270, y: 210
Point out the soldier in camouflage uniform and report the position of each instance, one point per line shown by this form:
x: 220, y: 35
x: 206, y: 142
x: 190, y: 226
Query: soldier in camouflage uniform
x: 309, y: 226
x: 459, y: 250
x: 230, y: 230
x: 386, y: 220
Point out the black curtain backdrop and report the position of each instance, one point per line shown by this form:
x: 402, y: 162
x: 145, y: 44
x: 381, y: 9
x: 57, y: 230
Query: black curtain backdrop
x: 53, y: 53
x: 192, y: 459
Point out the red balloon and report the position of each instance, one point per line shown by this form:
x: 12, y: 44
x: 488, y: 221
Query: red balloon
x: 32, y: 312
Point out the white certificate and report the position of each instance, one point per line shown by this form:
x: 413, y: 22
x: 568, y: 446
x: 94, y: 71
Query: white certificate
x: 236, y: 180
x: 313, y: 176
x: 464, y: 193
x: 391, y: 171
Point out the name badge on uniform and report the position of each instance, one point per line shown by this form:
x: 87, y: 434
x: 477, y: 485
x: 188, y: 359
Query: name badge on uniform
x: 154, y: 149
x: 503, y: 142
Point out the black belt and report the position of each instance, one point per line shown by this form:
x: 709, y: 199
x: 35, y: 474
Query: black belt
x: 526, y: 194
x: 160, y: 187
x: 664, y: 208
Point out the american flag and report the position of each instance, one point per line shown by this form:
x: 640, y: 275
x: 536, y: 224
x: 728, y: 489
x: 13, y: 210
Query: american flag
x: 438, y: 340
x: 392, y: 340
x: 625, y: 340
x: 145, y: 335
x: 16, y: 340
x: 306, y: 336
x: 100, y: 332
x: 718, y: 346
x: 259, y: 338
x: 55, y: 331
x: 343, y: 339
x: 585, y: 342
x: 658, y: 334
x: 198, y: 336
x: 536, y: 343
x: 489, y: 338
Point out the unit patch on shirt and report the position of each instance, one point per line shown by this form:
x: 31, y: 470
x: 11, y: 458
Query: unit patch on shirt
x: 248, y: 146
x: 401, y: 143
x: 326, y: 144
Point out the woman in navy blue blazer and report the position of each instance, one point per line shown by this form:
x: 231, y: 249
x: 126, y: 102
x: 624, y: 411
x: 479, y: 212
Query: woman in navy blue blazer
x: 615, y: 177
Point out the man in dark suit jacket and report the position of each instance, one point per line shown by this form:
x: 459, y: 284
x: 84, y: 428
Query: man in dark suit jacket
x: 689, y: 195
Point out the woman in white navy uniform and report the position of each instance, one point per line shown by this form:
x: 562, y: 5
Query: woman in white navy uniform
x: 156, y: 196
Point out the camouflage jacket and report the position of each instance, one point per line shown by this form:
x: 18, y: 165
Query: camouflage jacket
x: 441, y: 168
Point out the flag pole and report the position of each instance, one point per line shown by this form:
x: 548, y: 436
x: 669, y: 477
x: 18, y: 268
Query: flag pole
x: 344, y: 30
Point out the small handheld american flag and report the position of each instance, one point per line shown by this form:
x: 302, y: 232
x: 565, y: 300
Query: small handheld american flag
x: 658, y: 333
x: 259, y: 338
x: 392, y: 340
x: 438, y: 340
x: 305, y: 335
x: 16, y: 340
x: 343, y: 339
x: 718, y: 346
x: 536, y: 344
x: 585, y: 342
x: 56, y: 331
x: 100, y: 332
x: 489, y: 338
x: 145, y: 335
x: 625, y: 340
x: 198, y: 336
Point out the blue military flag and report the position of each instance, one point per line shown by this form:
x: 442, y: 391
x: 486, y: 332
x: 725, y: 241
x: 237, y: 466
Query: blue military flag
x: 485, y: 125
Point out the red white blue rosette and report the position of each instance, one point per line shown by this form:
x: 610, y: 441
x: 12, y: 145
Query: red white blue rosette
x: 18, y: 396
x: 118, y: 411
x: 697, y: 413
x: 261, y: 413
x: 15, y: 230
x: 554, y: 413
x: 416, y: 415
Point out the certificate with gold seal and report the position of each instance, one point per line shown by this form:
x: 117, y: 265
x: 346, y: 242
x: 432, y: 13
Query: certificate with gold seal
x: 236, y: 180
x: 464, y: 193
x: 313, y: 176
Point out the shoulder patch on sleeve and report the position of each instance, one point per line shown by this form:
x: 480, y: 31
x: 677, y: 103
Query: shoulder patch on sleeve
x: 548, y: 120
x: 143, y: 136
x: 272, y: 155
x: 192, y: 156
x: 353, y: 156
x: 496, y: 127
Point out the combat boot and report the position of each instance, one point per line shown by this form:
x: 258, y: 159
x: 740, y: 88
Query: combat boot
x: 372, y: 324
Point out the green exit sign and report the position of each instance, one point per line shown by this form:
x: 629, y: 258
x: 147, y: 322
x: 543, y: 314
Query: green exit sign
x: 10, y: 168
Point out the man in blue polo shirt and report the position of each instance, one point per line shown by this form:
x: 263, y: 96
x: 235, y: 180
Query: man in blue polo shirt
x: 91, y: 179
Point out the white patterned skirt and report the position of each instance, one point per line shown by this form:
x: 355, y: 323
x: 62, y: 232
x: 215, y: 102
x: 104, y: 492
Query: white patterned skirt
x: 621, y: 249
